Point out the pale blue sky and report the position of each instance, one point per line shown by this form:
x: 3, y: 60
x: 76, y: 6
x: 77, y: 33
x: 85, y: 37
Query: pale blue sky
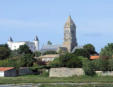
x: 23, y: 19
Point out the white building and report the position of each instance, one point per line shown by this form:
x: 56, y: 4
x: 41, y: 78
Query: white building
x: 7, y: 72
x: 33, y: 46
x: 48, y: 57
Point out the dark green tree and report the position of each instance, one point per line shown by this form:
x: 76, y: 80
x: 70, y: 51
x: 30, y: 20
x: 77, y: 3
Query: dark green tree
x: 37, y: 54
x: 107, y: 51
x: 74, y: 62
x: 24, y: 49
x: 49, y: 43
x: 90, y: 49
x: 4, y: 52
x: 27, y: 60
x: 82, y: 52
x: 69, y: 60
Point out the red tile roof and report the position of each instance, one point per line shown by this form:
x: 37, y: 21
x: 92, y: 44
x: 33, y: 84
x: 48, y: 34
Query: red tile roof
x: 94, y: 57
x: 6, y: 68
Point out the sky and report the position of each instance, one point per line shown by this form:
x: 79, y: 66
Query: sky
x: 24, y: 19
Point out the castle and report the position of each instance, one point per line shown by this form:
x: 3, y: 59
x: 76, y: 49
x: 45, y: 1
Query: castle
x: 33, y: 46
x: 69, y: 43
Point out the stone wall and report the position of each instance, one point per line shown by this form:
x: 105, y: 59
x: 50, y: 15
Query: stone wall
x: 104, y: 73
x: 65, y: 72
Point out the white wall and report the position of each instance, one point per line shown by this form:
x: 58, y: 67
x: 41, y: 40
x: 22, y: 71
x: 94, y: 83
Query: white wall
x: 1, y: 74
x: 16, y: 45
x: 47, y: 59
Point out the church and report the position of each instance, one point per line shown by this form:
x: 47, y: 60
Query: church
x: 70, y: 39
x: 69, y: 43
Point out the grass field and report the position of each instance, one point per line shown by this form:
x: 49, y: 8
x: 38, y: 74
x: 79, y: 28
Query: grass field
x: 100, y: 85
x: 42, y: 79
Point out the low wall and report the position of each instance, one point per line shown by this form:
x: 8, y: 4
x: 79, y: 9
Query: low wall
x: 104, y: 73
x: 65, y: 72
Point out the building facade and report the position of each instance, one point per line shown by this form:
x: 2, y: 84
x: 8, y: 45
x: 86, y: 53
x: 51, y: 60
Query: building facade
x: 33, y: 46
x: 7, y: 72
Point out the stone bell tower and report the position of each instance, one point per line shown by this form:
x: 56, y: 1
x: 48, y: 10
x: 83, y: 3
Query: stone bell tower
x: 70, y: 40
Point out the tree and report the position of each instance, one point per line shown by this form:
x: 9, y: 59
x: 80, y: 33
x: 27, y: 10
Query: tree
x: 27, y: 60
x: 24, y: 49
x: 37, y: 54
x: 49, y: 43
x: 69, y: 60
x: 74, y: 62
x: 4, y: 52
x: 82, y: 52
x: 90, y: 49
x: 55, y: 63
x: 107, y: 51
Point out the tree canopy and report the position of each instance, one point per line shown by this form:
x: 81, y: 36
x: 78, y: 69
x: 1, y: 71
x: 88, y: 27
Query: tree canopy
x: 24, y: 49
x: 107, y: 51
x: 4, y: 52
x: 90, y: 49
x: 82, y: 52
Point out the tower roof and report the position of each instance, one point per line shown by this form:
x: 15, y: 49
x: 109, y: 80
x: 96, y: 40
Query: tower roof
x: 36, y: 38
x: 69, y: 22
x: 10, y: 39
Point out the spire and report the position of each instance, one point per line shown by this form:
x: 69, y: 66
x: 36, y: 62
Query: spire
x: 10, y: 39
x: 69, y: 22
x: 36, y: 38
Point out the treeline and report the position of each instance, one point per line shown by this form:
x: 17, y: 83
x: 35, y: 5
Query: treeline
x: 23, y: 57
x: 81, y: 59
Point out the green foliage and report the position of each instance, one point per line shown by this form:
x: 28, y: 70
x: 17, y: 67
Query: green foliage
x: 49, y: 52
x: 74, y: 62
x: 37, y: 54
x: 15, y: 62
x: 27, y: 60
x: 107, y: 51
x: 67, y: 60
x: 55, y: 63
x: 110, y: 64
x: 86, y: 51
x: 88, y: 68
x: 18, y: 61
x: 24, y: 49
x: 82, y: 52
x: 49, y: 43
x: 103, y: 64
x: 89, y: 48
x: 4, y: 52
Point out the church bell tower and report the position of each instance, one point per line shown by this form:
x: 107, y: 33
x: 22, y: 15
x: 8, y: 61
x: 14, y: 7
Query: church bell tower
x: 70, y: 40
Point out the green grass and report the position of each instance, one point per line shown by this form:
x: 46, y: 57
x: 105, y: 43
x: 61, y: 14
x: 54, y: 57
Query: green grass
x: 57, y: 85
x: 43, y: 79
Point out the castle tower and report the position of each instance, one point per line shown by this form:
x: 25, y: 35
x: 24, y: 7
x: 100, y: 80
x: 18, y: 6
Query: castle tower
x: 70, y: 34
x: 36, y: 41
x: 10, y: 41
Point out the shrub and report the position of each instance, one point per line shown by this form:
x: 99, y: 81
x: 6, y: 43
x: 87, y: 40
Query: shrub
x: 88, y: 68
x: 49, y: 52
